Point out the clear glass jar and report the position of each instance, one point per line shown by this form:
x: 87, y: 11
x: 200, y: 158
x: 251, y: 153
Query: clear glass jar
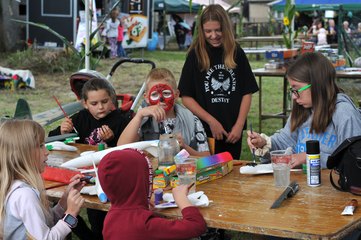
x: 168, y: 147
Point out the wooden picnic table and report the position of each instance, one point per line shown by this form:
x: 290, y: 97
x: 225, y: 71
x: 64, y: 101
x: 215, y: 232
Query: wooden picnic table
x: 254, y: 41
x: 257, y: 39
x: 242, y: 203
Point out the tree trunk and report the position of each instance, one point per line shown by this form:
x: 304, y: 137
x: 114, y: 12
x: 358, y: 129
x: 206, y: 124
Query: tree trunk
x: 12, y: 35
x: 2, y: 30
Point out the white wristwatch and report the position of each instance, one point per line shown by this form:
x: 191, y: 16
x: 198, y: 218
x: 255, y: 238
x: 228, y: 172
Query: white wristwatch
x: 70, y: 220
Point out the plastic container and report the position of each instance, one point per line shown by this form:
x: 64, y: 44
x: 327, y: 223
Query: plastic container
x: 168, y: 147
x: 158, y: 196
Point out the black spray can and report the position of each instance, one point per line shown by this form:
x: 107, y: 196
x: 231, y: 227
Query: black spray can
x: 313, y: 163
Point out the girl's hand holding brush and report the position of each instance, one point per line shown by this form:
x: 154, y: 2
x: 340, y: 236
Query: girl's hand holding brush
x: 255, y: 140
x: 66, y: 126
x: 67, y: 119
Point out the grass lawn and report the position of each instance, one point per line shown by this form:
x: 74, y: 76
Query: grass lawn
x: 128, y: 79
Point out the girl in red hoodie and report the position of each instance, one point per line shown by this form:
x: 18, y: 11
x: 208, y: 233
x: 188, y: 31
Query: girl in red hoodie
x: 126, y: 178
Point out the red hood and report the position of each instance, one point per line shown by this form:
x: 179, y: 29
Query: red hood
x: 126, y: 178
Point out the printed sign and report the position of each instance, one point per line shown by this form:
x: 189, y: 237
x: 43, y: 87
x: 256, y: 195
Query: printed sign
x: 137, y: 31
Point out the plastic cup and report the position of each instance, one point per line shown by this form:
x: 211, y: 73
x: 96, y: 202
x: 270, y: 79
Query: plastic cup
x: 281, y: 167
x: 187, y: 171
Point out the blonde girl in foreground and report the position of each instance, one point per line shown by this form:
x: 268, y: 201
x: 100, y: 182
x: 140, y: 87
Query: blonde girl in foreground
x: 24, y: 208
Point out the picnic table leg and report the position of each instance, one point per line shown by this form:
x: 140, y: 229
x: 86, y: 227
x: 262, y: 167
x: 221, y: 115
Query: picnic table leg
x: 260, y: 104
x: 285, y: 108
x: 251, y: 47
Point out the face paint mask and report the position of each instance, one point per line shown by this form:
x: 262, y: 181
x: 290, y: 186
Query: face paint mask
x: 161, y: 93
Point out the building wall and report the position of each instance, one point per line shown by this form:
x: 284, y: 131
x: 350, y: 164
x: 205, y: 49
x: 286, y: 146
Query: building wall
x: 258, y: 12
x: 59, y: 16
x: 12, y: 35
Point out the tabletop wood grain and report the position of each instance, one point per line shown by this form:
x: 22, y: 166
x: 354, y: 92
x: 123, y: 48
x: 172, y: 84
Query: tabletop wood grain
x: 242, y: 203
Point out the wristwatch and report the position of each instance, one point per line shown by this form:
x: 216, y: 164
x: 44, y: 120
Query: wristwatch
x: 70, y: 220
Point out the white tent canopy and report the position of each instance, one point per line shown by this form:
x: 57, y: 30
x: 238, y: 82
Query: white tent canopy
x: 224, y: 4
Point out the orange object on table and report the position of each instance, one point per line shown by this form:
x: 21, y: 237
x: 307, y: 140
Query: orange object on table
x: 58, y: 174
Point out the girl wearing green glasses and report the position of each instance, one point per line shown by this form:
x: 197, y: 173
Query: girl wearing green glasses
x: 320, y: 111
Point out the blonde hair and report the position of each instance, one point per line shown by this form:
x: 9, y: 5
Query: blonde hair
x: 161, y: 74
x: 218, y: 14
x: 19, y: 160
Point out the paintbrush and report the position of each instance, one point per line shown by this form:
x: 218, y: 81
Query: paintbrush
x: 190, y: 186
x: 65, y: 114
x: 253, y: 150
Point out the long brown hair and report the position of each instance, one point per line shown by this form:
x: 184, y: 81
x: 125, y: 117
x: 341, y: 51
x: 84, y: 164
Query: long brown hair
x: 317, y: 70
x: 215, y: 13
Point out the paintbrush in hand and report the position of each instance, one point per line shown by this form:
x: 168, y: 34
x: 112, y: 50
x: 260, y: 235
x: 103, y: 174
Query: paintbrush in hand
x: 253, y: 150
x: 65, y: 115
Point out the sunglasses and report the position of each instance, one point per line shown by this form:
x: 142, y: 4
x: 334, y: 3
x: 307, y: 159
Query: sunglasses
x: 297, y: 92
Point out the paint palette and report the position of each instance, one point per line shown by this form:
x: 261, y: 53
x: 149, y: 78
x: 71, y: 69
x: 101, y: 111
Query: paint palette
x: 260, y: 169
x: 198, y: 199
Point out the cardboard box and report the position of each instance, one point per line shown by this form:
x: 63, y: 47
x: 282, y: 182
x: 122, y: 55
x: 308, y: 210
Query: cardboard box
x: 307, y: 47
x: 274, y: 55
x: 213, y: 167
x: 214, y: 160
x: 210, y: 174
x: 214, y: 173
x: 281, y: 54
x: 208, y: 169
x: 160, y: 181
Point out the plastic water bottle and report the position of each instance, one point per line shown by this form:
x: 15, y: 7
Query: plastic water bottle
x: 313, y: 163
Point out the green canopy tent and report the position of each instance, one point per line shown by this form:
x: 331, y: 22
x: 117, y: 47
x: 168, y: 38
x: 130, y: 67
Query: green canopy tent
x: 173, y: 7
x: 310, y: 5
x: 179, y: 6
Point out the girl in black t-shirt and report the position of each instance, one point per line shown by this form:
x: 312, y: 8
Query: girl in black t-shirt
x: 101, y: 121
x: 217, y: 82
